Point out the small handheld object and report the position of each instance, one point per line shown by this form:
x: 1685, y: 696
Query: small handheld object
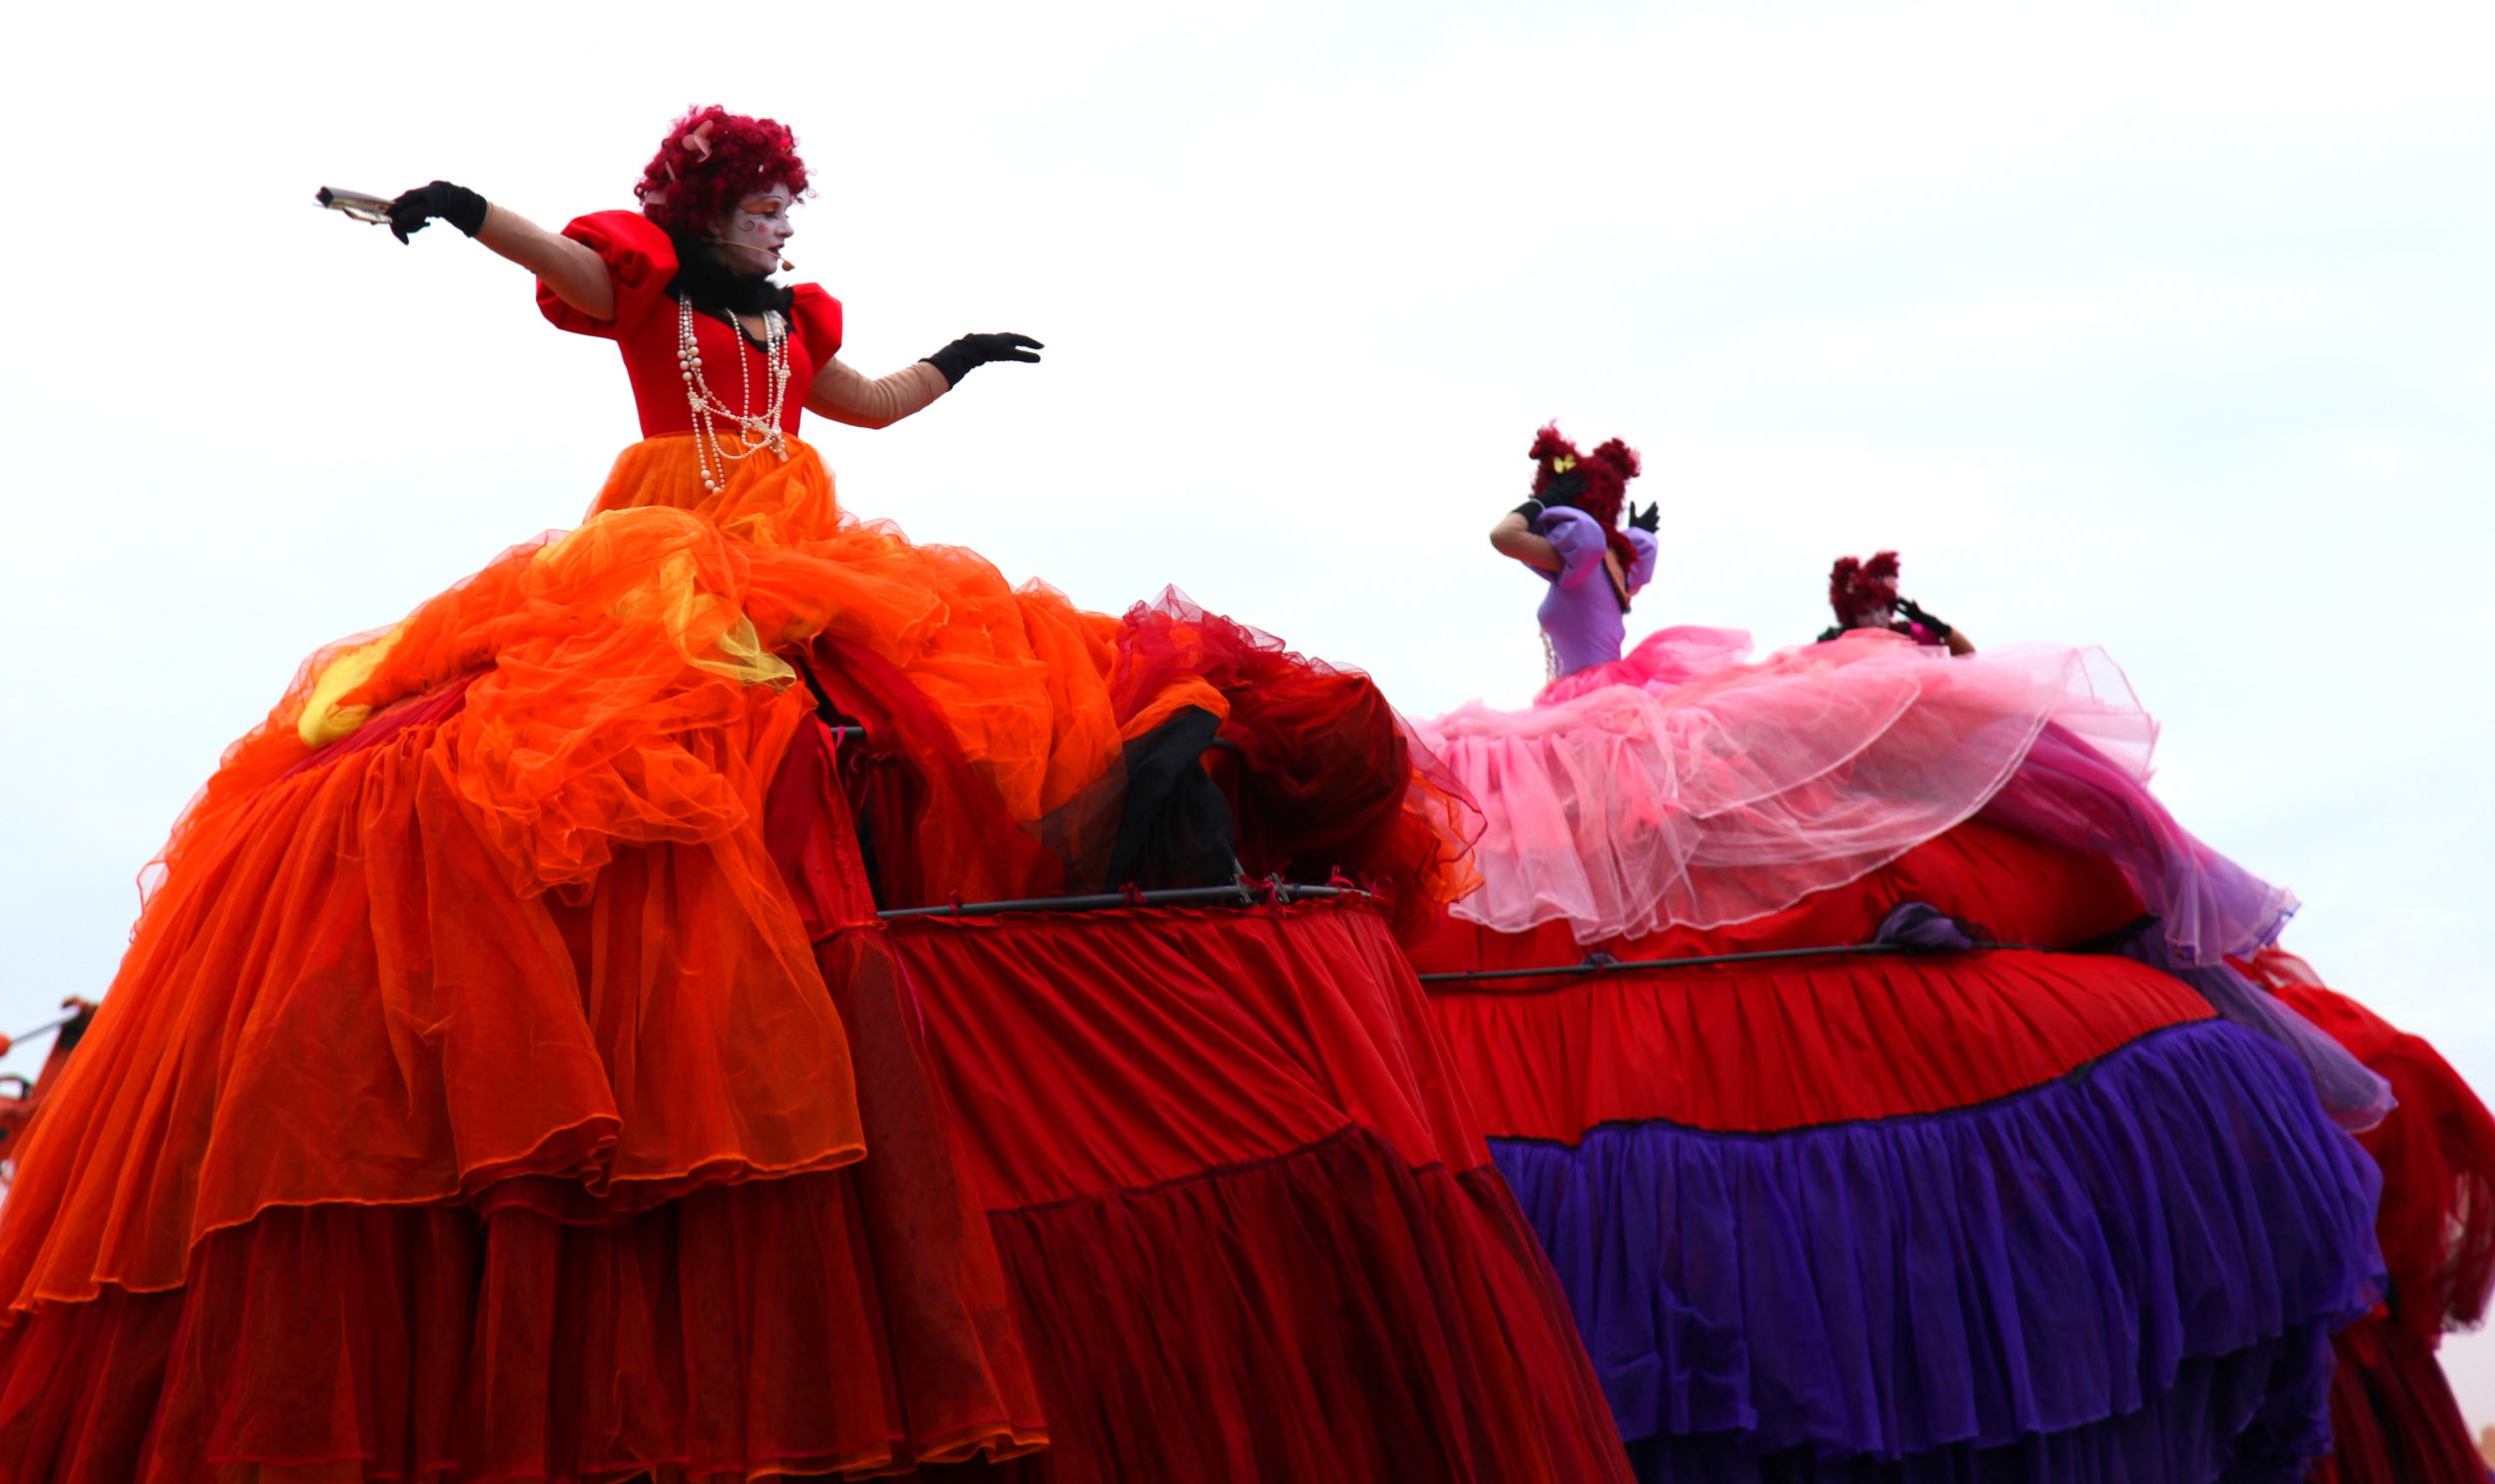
x: 373, y: 211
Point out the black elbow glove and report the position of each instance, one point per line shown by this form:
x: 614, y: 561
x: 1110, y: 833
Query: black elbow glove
x: 957, y: 360
x: 456, y: 205
x: 1649, y: 520
x: 1915, y: 613
x: 1531, y: 510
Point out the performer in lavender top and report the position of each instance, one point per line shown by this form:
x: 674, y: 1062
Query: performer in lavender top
x: 1570, y: 532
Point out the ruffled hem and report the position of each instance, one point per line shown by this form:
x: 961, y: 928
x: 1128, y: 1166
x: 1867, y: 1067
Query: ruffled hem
x: 2394, y: 1418
x: 2243, y: 1418
x: 1962, y: 1281
x: 1623, y: 811
x: 1255, y: 1236
x: 731, y: 1333
x: 1330, y: 1313
x: 342, y: 1000
x: 1796, y: 1044
x: 2437, y: 1149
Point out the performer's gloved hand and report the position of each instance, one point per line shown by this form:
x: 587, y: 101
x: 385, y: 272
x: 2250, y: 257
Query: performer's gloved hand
x: 456, y: 205
x: 1915, y: 613
x: 957, y: 360
x: 1531, y: 510
x: 1649, y: 520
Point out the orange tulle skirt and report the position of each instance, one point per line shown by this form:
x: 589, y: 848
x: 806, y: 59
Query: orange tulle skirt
x: 475, y: 1102
x: 590, y: 654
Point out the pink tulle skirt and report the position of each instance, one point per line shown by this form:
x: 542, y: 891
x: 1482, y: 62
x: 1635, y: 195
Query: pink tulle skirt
x: 1684, y: 786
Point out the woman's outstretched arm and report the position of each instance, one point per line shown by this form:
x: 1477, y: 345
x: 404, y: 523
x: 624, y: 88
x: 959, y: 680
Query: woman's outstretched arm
x: 862, y: 401
x: 844, y: 395
x: 577, y: 275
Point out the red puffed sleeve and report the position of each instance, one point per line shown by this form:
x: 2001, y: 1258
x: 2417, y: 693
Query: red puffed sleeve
x: 817, y: 316
x: 640, y: 263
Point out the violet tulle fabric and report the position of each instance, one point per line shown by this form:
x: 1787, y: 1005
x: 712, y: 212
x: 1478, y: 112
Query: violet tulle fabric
x: 2206, y: 908
x: 2243, y: 1418
x: 1712, y: 796
x: 2131, y: 1272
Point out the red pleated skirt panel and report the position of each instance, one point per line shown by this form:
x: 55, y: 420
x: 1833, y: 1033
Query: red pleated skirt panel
x: 2394, y: 1418
x: 1252, y: 1230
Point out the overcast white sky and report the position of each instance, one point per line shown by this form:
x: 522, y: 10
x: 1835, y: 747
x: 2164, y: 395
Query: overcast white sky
x: 2164, y: 327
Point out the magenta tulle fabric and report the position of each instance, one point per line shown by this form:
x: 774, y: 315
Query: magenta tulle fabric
x: 1694, y: 790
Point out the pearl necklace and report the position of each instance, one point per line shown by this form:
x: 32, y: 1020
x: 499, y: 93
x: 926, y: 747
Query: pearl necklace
x: 754, y: 431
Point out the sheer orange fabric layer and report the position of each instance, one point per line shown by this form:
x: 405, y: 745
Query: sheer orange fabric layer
x: 593, y: 651
x: 479, y: 926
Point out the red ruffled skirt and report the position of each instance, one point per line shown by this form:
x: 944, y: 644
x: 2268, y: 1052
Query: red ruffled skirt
x: 2023, y: 1214
x: 508, y: 1078
x: 2394, y: 1418
x: 373, y: 1169
x: 1251, y: 1229
x: 474, y: 1100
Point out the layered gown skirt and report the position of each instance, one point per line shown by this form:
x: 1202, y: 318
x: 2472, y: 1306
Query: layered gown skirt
x: 1857, y: 1033
x: 509, y: 1077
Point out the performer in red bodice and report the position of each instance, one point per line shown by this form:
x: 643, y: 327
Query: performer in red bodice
x: 510, y: 1077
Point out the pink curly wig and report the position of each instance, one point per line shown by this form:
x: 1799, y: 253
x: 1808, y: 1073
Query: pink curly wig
x: 711, y: 160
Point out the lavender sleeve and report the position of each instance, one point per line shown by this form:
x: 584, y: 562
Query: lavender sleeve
x: 1642, y: 571
x: 1578, y: 538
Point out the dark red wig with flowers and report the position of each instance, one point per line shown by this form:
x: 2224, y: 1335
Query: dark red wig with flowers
x: 1859, y: 589
x: 1596, y: 483
x: 712, y: 160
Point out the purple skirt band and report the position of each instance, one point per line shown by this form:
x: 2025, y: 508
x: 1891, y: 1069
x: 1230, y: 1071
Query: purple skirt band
x: 2128, y: 1274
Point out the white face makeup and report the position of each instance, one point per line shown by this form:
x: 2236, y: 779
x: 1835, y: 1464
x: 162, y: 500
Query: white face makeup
x: 759, y: 225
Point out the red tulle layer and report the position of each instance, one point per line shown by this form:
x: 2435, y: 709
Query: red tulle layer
x: 1796, y: 1043
x: 2392, y: 1415
x: 2393, y: 1419
x: 729, y: 1332
x: 1330, y: 1315
x: 2009, y: 886
x: 1251, y: 1229
x: 2437, y: 1149
x: 1769, y: 1048
x: 1165, y: 1043
x: 372, y: 1169
x: 1321, y: 774
x: 339, y: 998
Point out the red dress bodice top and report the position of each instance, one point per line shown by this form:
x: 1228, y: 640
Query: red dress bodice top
x: 640, y: 263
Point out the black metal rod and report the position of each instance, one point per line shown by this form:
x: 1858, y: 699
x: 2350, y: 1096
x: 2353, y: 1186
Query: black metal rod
x: 46, y: 1028
x: 1762, y: 955
x: 1246, y: 894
